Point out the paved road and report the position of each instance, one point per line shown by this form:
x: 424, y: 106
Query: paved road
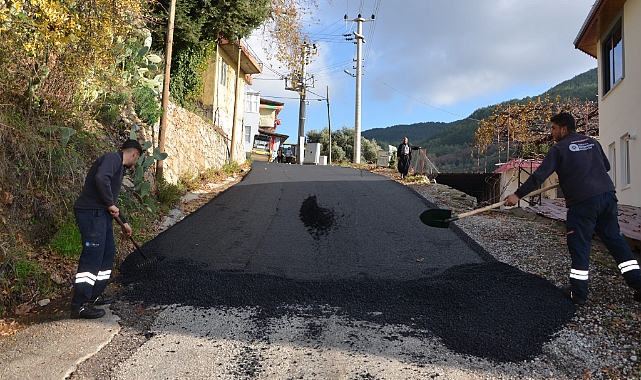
x: 327, y: 272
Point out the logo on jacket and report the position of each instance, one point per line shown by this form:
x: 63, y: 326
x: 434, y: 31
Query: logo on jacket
x: 581, y: 146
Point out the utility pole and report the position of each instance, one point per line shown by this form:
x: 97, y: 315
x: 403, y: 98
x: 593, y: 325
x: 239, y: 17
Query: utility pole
x: 299, y: 84
x: 301, y: 109
x: 236, y: 104
x: 329, y: 126
x: 360, y: 40
x: 165, y: 88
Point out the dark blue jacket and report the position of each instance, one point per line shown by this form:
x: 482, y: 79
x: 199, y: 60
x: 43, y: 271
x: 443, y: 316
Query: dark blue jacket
x: 102, y: 185
x: 581, y: 166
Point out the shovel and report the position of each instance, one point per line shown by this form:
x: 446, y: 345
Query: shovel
x: 148, y: 260
x: 442, y: 218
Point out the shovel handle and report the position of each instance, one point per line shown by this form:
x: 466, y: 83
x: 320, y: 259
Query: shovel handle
x: 499, y: 204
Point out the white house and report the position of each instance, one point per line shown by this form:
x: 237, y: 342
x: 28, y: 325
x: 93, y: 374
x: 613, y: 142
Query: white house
x: 251, y: 120
x: 611, y: 33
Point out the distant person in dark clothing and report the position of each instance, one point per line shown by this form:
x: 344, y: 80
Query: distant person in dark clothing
x: 279, y: 156
x: 288, y: 156
x: 95, y: 210
x: 404, y: 156
x: 590, y: 197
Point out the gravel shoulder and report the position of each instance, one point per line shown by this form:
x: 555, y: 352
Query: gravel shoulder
x: 601, y: 342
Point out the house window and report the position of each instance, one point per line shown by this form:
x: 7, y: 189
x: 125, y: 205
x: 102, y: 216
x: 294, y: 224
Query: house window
x: 223, y: 72
x: 612, y: 157
x: 252, y: 102
x: 612, y: 58
x: 625, y: 161
x: 248, y: 134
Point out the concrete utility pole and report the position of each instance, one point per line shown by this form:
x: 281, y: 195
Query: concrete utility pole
x: 329, y: 126
x: 299, y: 84
x: 301, y: 109
x: 360, y: 40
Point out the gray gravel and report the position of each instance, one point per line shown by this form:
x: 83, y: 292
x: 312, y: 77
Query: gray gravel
x: 602, y: 340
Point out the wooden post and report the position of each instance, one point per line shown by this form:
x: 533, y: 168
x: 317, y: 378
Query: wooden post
x: 165, y: 89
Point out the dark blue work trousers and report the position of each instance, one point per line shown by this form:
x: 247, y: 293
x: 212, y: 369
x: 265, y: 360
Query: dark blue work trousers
x: 597, y: 215
x: 97, y: 257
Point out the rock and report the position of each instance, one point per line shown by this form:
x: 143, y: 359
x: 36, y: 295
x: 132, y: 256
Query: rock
x: 55, y: 277
x: 44, y: 302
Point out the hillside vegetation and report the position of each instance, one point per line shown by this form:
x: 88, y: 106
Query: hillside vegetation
x: 450, y: 145
x: 78, y: 79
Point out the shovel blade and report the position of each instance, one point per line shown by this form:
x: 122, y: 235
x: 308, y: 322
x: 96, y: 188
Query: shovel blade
x: 436, y: 218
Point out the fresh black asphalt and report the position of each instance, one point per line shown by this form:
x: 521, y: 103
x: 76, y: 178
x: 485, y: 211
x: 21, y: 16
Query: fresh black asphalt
x: 322, y: 236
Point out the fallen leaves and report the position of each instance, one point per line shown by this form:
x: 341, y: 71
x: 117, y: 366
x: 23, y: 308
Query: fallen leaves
x: 8, y: 327
x: 23, y: 309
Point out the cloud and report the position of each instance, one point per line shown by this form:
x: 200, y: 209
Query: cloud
x: 448, y: 54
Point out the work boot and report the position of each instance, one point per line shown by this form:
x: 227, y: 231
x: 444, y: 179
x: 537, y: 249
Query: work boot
x: 102, y: 300
x: 567, y: 291
x: 87, y: 312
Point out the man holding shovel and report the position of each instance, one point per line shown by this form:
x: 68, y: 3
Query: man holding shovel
x: 94, y: 210
x: 590, y: 197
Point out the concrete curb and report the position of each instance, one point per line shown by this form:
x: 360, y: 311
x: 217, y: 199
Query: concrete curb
x: 53, y: 349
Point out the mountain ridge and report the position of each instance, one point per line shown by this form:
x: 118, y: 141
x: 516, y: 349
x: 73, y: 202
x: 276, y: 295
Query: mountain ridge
x: 446, y: 143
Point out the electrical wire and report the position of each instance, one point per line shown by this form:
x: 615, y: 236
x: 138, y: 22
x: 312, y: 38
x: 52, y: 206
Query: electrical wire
x: 376, y: 11
x: 420, y: 101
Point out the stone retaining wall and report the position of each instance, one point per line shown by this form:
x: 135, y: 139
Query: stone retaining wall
x: 194, y: 145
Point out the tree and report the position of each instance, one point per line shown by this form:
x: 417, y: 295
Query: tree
x: 200, y: 24
x: 522, y: 129
x: 70, y: 46
x: 284, y: 31
x: 343, y: 145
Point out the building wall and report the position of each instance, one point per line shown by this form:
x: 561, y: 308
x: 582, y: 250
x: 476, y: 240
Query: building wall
x: 620, y: 108
x: 220, y: 99
x: 251, y: 120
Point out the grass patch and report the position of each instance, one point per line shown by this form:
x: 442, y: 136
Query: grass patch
x: 169, y: 195
x: 67, y: 241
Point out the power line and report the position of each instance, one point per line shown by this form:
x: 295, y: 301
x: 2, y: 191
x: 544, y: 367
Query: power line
x: 420, y: 101
x: 372, y: 29
x: 335, y: 22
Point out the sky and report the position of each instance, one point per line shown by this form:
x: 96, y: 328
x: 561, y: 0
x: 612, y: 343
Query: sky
x: 428, y: 60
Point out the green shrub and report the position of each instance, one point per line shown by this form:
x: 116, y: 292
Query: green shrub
x: 146, y: 105
x: 189, y: 181
x: 169, y: 195
x: 67, y: 242
x: 109, y: 108
x: 25, y: 268
x: 231, y: 168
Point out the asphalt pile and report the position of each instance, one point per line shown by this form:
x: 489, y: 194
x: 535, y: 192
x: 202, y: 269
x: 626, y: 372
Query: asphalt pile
x: 490, y: 310
x: 318, y: 220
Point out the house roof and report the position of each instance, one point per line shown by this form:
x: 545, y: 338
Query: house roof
x: 270, y: 133
x: 599, y: 19
x: 518, y: 163
x: 248, y: 63
x: 268, y: 102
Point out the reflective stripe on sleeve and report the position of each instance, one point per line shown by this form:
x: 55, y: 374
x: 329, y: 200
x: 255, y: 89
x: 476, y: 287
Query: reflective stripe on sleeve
x: 579, y: 274
x: 87, y: 277
x: 628, y: 266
